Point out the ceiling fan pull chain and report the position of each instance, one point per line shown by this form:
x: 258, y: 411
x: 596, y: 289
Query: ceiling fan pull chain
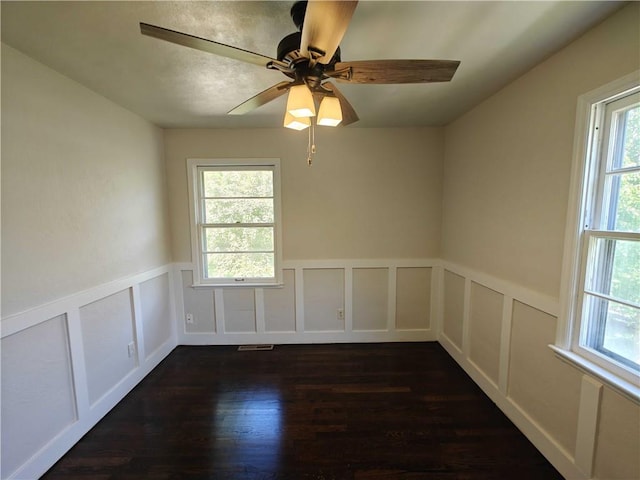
x: 311, y: 148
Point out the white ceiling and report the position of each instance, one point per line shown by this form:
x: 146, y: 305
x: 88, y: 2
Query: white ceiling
x: 99, y: 45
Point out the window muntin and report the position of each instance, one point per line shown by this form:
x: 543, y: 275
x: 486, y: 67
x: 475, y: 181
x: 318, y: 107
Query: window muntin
x: 235, y: 221
x: 608, y: 314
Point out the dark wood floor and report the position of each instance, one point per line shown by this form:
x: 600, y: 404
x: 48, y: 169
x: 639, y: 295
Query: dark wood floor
x: 323, y: 412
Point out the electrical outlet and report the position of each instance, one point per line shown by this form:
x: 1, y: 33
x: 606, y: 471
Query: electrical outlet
x: 340, y: 314
x: 131, y: 349
x: 188, y: 318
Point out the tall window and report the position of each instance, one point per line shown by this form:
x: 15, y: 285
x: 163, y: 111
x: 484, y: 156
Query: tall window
x: 235, y: 220
x: 606, y: 311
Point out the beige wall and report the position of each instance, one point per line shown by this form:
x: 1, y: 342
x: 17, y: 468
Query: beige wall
x: 83, y: 188
x: 85, y: 244
x: 505, y: 196
x: 506, y: 173
x: 371, y: 193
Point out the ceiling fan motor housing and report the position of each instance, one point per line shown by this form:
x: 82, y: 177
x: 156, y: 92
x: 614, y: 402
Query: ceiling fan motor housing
x: 289, y: 51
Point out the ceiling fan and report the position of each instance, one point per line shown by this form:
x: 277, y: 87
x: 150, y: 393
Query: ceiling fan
x: 311, y: 59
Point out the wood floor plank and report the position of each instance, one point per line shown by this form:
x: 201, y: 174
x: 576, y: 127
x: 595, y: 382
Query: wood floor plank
x: 322, y: 412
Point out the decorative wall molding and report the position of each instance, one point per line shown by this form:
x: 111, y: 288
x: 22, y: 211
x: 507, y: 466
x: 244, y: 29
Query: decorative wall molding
x: 87, y: 415
x: 541, y: 439
x: 575, y: 465
x: 302, y: 332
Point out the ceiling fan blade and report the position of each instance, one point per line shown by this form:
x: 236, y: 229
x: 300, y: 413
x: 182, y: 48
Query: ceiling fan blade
x: 260, y: 99
x: 205, y: 45
x: 394, y: 71
x: 349, y: 115
x: 325, y: 23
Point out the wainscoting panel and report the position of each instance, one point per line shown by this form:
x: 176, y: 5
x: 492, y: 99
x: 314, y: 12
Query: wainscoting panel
x: 499, y: 333
x: 551, y: 400
x: 107, y: 327
x: 370, y: 299
x: 239, y: 310
x: 67, y: 363
x: 320, y: 301
x: 201, y: 306
x: 453, y: 308
x: 157, y: 313
x: 280, y: 305
x: 37, y: 390
x: 324, y: 299
x: 615, y: 458
x: 485, y: 316
x: 413, y: 298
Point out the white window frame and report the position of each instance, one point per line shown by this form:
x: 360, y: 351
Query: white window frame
x: 585, y: 183
x: 195, y: 212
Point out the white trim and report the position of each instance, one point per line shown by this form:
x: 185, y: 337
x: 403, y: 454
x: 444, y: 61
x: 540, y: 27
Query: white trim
x: 178, y: 302
x: 299, y: 298
x: 505, y: 343
x: 392, y: 298
x: 588, y: 416
x: 78, y: 367
x: 259, y: 309
x: 193, y: 165
x: 218, y: 305
x: 437, y: 300
x: 138, y: 331
x: 582, y: 186
x: 466, y: 317
x: 348, y: 300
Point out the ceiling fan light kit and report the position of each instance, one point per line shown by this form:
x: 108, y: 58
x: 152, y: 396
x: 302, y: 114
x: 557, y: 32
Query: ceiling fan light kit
x: 311, y: 58
x: 330, y: 113
x: 296, y: 123
x: 300, y: 102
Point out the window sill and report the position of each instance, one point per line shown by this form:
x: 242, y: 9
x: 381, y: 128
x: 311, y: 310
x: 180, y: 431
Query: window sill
x: 627, y: 389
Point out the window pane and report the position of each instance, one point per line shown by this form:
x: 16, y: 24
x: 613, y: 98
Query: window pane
x: 630, y: 123
x: 250, y: 210
x: 240, y: 239
x: 614, y: 269
x: 614, y: 330
x: 238, y: 183
x: 622, y: 202
x: 239, y: 265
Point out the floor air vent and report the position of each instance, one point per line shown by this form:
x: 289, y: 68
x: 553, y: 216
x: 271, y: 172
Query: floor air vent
x: 254, y: 348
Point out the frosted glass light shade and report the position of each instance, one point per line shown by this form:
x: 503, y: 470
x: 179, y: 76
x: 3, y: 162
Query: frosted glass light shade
x: 296, y: 123
x: 330, y: 113
x: 300, y: 102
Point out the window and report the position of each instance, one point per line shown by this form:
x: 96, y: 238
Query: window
x: 235, y: 218
x: 602, y: 308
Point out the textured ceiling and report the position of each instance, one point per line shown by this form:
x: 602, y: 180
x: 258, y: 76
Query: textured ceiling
x: 99, y: 45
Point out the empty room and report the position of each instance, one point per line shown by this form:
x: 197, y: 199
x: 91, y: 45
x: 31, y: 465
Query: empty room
x: 320, y: 240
